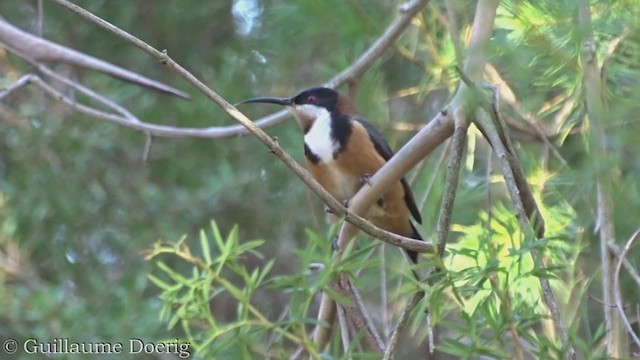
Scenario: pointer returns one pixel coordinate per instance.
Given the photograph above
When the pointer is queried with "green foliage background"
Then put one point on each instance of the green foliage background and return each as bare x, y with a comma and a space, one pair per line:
78, 207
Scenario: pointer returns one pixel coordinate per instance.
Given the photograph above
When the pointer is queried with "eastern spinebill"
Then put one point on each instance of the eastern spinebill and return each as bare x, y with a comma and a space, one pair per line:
342, 150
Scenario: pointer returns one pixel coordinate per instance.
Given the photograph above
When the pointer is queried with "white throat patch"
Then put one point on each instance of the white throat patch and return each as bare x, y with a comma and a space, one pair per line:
318, 138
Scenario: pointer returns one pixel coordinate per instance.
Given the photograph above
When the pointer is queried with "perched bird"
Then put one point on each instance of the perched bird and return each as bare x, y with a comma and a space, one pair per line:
342, 150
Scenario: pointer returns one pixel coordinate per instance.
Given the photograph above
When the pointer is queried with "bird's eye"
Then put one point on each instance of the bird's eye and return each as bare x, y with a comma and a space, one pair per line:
312, 100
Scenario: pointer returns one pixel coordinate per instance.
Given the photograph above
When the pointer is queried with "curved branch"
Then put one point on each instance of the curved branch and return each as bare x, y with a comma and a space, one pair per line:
616, 287
36, 49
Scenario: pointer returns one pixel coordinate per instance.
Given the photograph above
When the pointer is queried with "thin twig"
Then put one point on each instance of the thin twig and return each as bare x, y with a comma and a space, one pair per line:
383, 294
273, 336
18, 84
404, 317
297, 353
617, 292
615, 249
344, 328
367, 317
87, 92
448, 199
146, 152
360, 325
489, 192
451, 183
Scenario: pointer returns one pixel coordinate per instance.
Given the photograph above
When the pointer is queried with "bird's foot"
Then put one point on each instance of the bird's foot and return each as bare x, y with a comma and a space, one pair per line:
366, 179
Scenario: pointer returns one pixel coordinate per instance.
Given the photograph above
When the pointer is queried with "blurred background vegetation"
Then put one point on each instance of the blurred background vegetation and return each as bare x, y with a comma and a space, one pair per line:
78, 206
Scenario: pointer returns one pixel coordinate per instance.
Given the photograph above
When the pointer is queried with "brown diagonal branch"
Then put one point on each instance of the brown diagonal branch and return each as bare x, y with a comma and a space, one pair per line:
450, 186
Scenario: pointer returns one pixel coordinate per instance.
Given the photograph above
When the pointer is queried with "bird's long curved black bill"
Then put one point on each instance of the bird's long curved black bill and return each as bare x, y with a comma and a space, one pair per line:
269, 100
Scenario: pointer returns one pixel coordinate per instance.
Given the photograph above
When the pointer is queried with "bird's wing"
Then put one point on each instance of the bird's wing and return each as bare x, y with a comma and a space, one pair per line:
385, 151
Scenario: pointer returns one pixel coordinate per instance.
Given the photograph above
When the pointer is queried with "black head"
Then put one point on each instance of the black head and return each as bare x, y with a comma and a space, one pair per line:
318, 96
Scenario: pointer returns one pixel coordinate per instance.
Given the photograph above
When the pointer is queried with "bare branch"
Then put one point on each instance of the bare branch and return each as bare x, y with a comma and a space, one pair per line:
404, 317
384, 295
615, 249
616, 286
344, 328
407, 12
20, 83
88, 92
367, 317
37, 49
346, 288
451, 184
